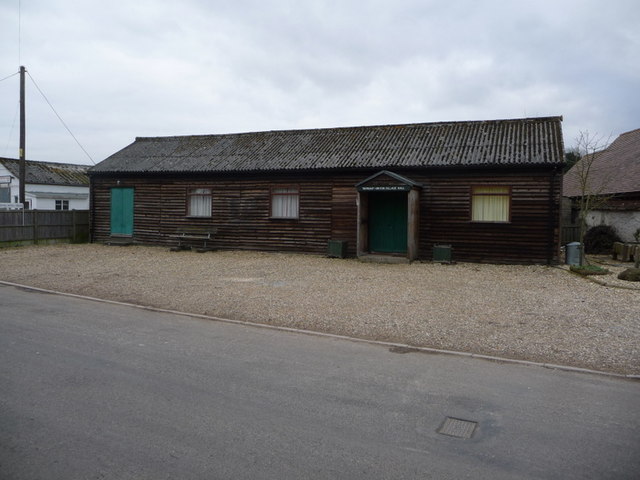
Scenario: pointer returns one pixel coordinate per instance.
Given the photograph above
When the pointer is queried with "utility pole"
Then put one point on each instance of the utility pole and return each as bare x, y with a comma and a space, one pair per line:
23, 176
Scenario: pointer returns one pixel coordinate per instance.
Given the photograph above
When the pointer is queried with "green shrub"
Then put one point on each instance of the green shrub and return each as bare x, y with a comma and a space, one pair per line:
589, 270
599, 240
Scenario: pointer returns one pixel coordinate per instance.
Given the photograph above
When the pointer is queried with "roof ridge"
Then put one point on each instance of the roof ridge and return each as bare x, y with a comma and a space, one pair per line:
352, 128
629, 132
524, 141
45, 163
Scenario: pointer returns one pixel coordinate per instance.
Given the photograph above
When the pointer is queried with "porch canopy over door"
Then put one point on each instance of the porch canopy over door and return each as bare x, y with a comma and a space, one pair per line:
388, 214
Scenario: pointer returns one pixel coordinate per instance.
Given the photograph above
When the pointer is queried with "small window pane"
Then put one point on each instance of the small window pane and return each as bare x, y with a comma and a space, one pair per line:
62, 204
284, 202
200, 202
490, 204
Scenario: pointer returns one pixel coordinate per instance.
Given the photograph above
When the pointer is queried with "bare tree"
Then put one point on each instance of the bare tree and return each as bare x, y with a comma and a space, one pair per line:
591, 178
571, 157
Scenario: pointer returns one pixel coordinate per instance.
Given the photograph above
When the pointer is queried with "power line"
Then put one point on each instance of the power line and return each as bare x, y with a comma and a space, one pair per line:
13, 124
60, 118
19, 32
7, 78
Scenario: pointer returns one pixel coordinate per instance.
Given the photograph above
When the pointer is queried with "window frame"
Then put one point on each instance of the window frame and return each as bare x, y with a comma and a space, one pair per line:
273, 194
64, 205
6, 191
190, 193
473, 195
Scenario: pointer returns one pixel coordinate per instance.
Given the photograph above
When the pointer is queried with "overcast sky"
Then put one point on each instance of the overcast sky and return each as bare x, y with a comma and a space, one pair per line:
117, 69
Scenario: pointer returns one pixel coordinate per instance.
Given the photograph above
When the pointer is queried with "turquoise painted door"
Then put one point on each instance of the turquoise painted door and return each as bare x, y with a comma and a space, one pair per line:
388, 222
122, 211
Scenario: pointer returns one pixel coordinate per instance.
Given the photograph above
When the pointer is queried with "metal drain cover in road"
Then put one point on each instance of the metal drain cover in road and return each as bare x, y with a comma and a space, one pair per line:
456, 427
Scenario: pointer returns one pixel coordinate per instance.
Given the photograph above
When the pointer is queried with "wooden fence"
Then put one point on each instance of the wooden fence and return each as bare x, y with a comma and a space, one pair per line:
24, 227
570, 233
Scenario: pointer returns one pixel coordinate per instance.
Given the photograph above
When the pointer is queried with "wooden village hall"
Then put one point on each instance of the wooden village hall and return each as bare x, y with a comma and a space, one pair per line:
488, 189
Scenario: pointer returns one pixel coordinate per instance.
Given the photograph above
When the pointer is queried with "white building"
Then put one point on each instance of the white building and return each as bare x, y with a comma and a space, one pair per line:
49, 186
615, 176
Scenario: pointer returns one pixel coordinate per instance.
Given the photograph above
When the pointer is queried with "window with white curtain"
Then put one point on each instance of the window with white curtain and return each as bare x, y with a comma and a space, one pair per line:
199, 202
285, 202
490, 204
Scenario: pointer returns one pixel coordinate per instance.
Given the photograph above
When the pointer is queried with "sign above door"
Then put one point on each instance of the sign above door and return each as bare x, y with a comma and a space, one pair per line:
385, 181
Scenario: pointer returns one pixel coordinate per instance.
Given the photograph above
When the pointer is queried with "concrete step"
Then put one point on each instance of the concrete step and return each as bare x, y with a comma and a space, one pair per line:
119, 241
378, 258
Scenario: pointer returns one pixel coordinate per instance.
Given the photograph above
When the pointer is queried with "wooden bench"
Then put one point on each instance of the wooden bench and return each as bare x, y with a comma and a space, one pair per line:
189, 234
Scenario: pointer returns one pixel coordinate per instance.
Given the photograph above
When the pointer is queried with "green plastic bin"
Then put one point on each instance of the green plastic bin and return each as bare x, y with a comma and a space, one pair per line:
442, 253
337, 248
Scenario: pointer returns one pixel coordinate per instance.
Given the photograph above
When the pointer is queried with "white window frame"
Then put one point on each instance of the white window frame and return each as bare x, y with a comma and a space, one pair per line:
6, 189
285, 202
199, 200
491, 204
62, 205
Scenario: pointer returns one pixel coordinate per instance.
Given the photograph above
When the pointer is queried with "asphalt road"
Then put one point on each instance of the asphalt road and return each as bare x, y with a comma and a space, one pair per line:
90, 390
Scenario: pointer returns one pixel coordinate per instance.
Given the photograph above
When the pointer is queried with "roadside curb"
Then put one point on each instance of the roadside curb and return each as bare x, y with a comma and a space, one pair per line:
407, 348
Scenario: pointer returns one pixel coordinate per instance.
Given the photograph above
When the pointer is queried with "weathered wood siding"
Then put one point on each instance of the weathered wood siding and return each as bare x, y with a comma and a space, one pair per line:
25, 227
532, 235
241, 212
344, 212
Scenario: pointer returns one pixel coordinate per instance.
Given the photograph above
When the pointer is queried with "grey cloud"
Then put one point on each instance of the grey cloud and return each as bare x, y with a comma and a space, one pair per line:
123, 69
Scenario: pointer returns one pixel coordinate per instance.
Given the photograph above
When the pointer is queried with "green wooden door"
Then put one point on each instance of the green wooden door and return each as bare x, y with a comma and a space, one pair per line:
388, 222
122, 211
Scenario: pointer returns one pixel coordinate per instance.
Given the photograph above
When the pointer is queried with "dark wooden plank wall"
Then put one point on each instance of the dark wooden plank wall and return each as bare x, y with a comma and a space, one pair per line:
240, 212
344, 212
446, 218
328, 211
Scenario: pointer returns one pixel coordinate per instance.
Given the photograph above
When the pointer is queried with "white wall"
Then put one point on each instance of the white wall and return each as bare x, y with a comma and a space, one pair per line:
43, 197
5, 173
625, 223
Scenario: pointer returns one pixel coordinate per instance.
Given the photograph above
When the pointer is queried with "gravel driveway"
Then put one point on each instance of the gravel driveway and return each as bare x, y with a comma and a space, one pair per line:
537, 313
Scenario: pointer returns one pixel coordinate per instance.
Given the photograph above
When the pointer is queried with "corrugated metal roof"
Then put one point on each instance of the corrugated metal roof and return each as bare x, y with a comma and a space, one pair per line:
528, 141
49, 173
614, 170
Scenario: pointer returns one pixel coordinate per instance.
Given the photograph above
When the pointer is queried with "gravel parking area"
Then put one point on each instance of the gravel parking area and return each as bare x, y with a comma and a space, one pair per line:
538, 313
